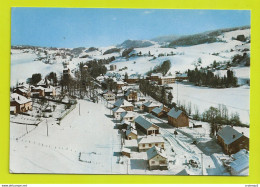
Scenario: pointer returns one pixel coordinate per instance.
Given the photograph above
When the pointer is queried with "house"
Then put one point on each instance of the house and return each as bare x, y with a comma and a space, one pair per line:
109, 96
157, 159
149, 106
155, 77
24, 86
177, 118
140, 105
147, 142
131, 134
121, 103
127, 116
21, 103
44, 83
160, 111
132, 79
240, 163
38, 91
126, 125
119, 85
126, 152
66, 71
112, 67
117, 112
23, 92
231, 140
131, 95
50, 91
145, 126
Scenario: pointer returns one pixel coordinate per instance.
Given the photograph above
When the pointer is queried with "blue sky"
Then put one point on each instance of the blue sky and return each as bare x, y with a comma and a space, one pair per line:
75, 27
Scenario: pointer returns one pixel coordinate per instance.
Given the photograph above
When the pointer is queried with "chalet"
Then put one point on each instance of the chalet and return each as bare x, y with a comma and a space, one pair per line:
119, 85
50, 91
126, 152
140, 105
147, 142
117, 112
21, 103
149, 106
231, 140
131, 95
37, 91
109, 96
177, 118
112, 67
44, 83
126, 125
131, 134
132, 79
157, 159
121, 103
145, 126
127, 116
24, 86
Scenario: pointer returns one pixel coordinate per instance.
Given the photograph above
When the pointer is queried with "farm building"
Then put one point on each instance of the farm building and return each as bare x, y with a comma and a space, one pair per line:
147, 142
21, 103
160, 111
157, 158
145, 126
231, 140
177, 118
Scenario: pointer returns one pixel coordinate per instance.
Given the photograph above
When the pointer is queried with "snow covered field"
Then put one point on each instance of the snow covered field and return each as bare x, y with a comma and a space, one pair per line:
235, 99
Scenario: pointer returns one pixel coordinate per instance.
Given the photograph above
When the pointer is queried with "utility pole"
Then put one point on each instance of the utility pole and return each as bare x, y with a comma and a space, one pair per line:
47, 128
79, 108
202, 162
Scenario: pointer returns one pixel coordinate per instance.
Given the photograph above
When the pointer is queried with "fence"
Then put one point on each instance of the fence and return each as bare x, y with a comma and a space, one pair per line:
63, 115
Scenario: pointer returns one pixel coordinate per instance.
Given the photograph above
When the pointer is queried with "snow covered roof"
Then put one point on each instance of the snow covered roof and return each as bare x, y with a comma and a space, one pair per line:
38, 88
130, 131
239, 153
119, 82
21, 90
19, 98
240, 164
229, 134
125, 122
143, 122
154, 151
157, 110
117, 109
44, 81
183, 172
109, 93
150, 104
129, 91
151, 139
126, 150
127, 114
174, 113
122, 103
49, 89
156, 75
182, 75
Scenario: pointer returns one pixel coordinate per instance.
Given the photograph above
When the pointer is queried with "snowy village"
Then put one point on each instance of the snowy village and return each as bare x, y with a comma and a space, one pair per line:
146, 107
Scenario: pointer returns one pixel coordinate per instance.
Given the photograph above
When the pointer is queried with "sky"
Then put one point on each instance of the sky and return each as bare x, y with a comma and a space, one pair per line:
86, 27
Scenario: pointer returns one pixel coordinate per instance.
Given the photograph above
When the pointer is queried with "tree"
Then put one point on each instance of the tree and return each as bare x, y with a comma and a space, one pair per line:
36, 78
170, 97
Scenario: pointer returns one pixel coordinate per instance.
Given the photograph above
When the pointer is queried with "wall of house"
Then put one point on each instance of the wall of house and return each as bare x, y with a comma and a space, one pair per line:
128, 108
117, 115
181, 121
132, 135
145, 146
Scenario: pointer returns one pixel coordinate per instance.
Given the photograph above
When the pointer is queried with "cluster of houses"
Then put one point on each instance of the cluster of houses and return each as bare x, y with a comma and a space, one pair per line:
20, 99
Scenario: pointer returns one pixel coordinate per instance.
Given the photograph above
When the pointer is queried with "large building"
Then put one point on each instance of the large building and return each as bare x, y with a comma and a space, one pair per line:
157, 158
231, 140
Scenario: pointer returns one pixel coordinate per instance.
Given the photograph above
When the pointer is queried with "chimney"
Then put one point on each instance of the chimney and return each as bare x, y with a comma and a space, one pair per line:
234, 136
18, 98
